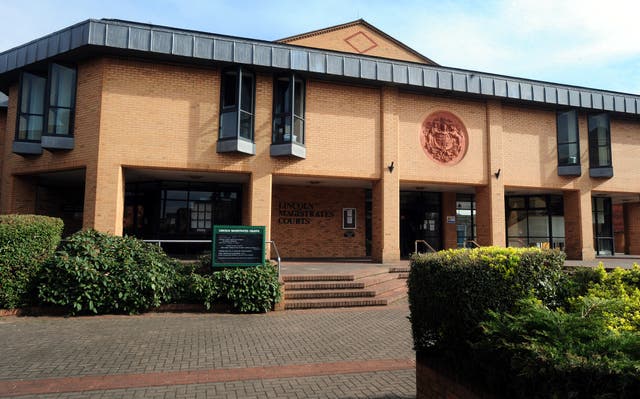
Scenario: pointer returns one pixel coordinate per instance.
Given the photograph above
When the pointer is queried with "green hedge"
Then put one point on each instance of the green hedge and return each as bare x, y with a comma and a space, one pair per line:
26, 242
451, 291
100, 273
508, 321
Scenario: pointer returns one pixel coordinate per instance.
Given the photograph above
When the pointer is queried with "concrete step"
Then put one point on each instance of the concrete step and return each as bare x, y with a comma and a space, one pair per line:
377, 279
403, 276
333, 303
317, 277
324, 285
394, 295
325, 294
403, 269
387, 286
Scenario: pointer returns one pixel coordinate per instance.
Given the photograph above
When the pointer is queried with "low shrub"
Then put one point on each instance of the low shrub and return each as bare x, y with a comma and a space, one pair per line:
451, 291
26, 242
248, 290
99, 273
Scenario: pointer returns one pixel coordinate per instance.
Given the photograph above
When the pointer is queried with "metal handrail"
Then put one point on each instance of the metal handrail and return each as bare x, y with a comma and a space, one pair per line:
425, 243
471, 242
277, 254
177, 241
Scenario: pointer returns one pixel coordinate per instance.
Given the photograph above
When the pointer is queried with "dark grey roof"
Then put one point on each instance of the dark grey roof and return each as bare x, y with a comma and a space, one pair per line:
4, 101
151, 40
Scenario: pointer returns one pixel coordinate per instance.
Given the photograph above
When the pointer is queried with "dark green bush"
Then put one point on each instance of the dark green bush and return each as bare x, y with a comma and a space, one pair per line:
451, 291
26, 242
252, 289
99, 273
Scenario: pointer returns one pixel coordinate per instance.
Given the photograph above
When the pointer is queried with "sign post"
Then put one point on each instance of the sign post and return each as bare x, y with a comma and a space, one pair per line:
238, 246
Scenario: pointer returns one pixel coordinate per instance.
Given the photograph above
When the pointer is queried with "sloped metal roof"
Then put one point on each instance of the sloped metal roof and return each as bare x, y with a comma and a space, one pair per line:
152, 40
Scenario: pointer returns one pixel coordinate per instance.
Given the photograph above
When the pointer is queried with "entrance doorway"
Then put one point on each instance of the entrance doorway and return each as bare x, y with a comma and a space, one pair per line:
603, 226
420, 219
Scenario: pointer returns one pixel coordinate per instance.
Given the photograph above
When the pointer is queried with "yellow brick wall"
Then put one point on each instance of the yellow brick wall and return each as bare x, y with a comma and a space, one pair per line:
530, 157
413, 163
335, 40
3, 126
307, 222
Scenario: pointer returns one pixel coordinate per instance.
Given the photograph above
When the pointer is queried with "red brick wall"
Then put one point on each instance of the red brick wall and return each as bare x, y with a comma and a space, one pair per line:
307, 222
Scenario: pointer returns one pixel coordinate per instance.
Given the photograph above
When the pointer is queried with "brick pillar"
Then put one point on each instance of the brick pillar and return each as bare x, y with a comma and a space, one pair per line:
632, 228
104, 198
449, 233
385, 245
19, 195
260, 196
490, 218
578, 227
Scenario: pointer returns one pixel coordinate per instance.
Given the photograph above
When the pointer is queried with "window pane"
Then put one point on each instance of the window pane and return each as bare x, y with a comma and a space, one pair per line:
557, 225
515, 202
556, 205
22, 129
517, 224
246, 125
34, 131
62, 86
298, 130
283, 96
246, 104
568, 154
58, 122
539, 224
602, 137
281, 128
176, 194
603, 156
299, 98
228, 124
537, 202
36, 96
229, 89
567, 127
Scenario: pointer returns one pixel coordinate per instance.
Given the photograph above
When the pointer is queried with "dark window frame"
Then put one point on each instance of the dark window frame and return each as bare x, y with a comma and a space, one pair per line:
46, 103
237, 106
594, 147
20, 114
553, 237
49, 106
607, 215
568, 168
290, 115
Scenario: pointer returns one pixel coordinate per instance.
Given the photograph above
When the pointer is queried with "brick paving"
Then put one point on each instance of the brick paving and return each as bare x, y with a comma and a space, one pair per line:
304, 352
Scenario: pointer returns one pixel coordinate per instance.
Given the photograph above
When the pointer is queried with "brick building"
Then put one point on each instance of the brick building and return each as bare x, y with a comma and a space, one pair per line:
344, 142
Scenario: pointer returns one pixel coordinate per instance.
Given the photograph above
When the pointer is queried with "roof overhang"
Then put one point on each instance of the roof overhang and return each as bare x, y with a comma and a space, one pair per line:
95, 37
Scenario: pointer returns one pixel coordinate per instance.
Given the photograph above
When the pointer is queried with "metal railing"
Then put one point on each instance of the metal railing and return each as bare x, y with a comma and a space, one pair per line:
473, 243
429, 247
275, 247
160, 242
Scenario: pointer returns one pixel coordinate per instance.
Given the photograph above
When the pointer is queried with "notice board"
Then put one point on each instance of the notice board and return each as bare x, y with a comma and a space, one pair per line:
238, 246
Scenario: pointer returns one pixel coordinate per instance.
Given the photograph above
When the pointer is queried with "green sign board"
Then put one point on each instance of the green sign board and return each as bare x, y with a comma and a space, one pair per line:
238, 246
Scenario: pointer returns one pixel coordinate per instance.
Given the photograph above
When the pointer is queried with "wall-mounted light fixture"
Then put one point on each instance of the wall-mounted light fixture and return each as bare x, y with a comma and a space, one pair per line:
391, 167
497, 174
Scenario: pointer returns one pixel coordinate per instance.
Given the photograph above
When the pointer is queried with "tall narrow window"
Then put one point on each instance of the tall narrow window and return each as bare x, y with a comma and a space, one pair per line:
62, 93
600, 146
288, 116
603, 226
31, 112
237, 111
568, 144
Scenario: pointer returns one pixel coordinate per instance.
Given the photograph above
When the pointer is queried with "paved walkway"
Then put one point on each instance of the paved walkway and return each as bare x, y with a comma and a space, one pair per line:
345, 353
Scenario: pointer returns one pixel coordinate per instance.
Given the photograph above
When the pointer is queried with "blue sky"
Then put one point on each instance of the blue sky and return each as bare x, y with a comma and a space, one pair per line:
584, 43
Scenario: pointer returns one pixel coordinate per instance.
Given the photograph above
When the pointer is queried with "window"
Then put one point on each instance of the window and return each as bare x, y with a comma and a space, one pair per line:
568, 143
46, 110
288, 116
535, 220
603, 226
31, 113
62, 83
600, 146
237, 103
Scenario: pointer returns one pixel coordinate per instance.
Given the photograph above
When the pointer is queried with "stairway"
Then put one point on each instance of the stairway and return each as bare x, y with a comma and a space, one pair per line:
367, 288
